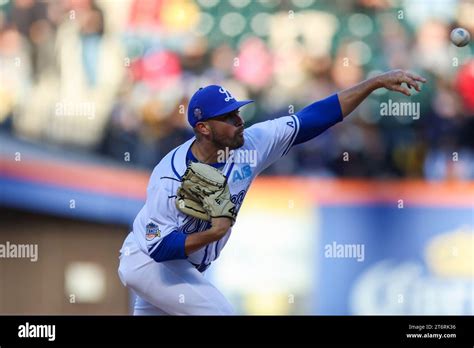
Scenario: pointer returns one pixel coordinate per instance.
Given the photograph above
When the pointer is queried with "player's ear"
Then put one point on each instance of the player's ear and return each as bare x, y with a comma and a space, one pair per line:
203, 128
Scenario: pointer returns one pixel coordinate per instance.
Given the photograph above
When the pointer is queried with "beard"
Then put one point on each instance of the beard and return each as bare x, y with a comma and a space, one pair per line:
223, 142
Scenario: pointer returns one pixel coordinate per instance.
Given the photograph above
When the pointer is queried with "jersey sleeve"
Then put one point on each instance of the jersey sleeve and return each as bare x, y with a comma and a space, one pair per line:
272, 139
159, 216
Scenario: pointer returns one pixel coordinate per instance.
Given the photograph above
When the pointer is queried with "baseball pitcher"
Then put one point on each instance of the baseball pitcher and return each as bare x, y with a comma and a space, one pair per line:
195, 193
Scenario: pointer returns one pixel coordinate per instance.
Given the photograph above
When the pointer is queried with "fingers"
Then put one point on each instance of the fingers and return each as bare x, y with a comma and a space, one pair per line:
412, 80
415, 77
403, 77
401, 89
412, 83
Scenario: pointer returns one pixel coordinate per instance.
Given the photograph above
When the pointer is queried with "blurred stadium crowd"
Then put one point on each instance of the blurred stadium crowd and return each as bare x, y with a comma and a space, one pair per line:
113, 77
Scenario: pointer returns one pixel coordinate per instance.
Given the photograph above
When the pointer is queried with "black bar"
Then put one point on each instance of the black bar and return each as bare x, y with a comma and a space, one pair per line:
287, 330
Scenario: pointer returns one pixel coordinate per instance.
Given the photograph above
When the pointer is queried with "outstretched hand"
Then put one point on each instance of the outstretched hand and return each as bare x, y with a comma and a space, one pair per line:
394, 80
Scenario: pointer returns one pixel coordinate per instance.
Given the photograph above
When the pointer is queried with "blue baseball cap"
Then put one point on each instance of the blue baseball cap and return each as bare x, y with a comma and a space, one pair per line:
212, 101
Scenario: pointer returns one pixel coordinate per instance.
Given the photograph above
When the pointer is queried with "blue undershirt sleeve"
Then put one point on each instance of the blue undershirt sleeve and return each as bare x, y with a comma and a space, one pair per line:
170, 248
317, 117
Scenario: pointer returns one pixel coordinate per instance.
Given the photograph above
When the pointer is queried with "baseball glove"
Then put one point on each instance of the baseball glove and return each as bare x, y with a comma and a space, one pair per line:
204, 193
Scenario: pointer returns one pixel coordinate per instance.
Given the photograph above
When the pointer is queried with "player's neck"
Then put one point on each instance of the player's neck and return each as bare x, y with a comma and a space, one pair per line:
205, 151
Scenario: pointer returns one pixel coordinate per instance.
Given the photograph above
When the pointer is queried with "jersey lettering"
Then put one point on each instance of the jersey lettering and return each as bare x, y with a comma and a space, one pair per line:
244, 173
193, 225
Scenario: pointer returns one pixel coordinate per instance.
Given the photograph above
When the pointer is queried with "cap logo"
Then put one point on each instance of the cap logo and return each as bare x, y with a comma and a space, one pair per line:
228, 96
197, 113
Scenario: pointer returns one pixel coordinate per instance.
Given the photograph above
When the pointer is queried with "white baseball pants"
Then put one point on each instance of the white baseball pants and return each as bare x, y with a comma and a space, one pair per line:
173, 287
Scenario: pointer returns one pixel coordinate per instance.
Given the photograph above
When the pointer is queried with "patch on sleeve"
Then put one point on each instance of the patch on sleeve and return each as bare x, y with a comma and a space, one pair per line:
152, 231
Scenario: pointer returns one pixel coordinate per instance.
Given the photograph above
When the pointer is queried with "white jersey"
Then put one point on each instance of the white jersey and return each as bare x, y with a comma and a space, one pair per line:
265, 143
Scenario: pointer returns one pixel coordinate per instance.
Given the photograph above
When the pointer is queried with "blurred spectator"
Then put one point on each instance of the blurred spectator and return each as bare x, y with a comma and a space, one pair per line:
115, 78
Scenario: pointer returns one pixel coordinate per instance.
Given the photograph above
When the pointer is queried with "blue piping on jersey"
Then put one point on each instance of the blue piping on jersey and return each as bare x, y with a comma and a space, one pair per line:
151, 247
203, 262
293, 136
201, 268
215, 251
230, 169
172, 164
